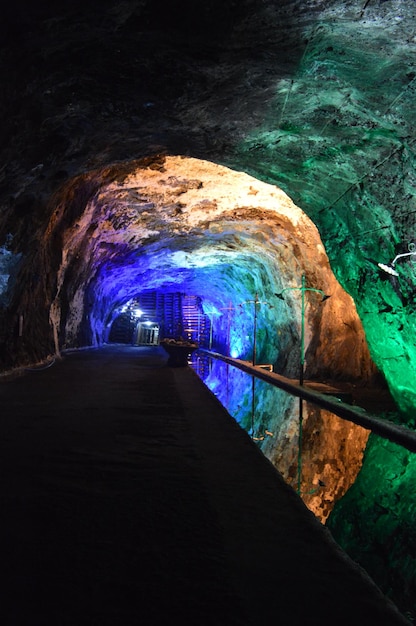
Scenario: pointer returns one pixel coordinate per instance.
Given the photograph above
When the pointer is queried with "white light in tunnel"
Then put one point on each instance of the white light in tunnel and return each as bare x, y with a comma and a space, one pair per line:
389, 267
130, 307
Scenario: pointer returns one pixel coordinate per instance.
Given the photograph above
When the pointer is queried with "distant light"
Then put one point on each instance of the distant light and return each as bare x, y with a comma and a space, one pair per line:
136, 312
234, 353
388, 269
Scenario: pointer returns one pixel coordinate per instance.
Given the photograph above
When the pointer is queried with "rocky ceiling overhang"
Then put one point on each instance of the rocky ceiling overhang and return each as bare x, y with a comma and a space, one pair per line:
315, 97
186, 225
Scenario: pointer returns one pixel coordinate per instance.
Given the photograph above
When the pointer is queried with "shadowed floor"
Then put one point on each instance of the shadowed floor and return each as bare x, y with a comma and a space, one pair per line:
129, 496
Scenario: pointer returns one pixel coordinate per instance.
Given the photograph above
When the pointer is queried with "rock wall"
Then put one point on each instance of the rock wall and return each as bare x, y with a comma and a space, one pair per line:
315, 97
375, 522
185, 224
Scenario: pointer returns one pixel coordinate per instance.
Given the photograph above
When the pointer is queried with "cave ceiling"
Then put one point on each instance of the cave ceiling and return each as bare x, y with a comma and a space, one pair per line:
315, 97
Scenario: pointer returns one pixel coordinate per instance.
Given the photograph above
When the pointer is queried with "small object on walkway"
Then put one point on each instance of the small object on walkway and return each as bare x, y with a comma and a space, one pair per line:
179, 351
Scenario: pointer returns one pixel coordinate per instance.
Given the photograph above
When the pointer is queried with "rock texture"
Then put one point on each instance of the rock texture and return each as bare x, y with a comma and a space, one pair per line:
322, 108
187, 225
313, 97
182, 224
375, 521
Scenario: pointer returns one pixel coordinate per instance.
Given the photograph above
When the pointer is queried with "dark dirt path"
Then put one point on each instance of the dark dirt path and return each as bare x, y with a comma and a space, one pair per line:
129, 496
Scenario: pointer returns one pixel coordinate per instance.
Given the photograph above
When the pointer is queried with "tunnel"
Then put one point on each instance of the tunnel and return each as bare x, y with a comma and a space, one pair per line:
176, 171
216, 257
176, 225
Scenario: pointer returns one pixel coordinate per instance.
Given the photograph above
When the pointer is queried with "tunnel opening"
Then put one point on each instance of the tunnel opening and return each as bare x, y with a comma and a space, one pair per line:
335, 130
202, 252
147, 334
170, 225
154, 315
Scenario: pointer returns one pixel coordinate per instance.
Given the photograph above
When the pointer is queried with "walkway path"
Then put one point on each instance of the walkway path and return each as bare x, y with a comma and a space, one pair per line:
129, 496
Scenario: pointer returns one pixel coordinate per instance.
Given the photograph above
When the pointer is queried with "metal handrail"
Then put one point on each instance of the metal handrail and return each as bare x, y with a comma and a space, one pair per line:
388, 430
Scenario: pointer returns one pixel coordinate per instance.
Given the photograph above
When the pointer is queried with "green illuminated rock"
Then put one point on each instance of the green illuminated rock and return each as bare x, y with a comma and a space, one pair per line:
375, 520
338, 136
